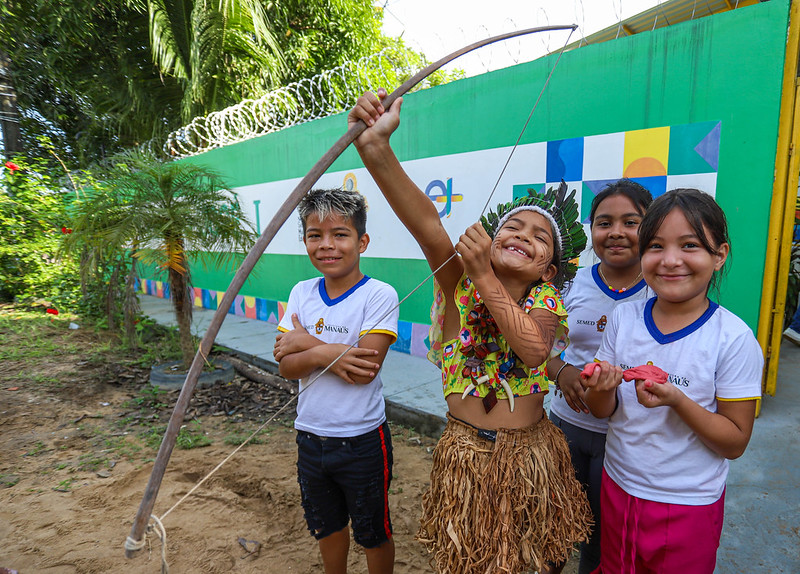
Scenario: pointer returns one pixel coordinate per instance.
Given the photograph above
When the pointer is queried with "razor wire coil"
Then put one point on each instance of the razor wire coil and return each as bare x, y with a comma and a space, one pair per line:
330, 92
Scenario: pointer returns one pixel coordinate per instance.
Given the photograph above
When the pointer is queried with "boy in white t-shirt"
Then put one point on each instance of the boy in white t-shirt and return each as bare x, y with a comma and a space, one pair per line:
344, 464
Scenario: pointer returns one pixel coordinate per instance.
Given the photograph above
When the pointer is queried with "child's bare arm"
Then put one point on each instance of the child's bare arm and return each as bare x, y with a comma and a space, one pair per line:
294, 341
570, 383
530, 335
299, 354
726, 432
601, 389
414, 209
356, 366
380, 343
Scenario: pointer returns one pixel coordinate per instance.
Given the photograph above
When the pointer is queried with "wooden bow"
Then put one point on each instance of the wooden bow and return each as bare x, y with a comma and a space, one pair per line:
283, 213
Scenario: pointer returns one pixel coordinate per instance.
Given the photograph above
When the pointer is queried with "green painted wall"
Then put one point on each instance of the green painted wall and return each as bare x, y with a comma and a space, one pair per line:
724, 68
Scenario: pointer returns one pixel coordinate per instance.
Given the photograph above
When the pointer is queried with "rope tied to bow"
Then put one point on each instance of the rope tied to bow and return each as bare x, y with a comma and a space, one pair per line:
157, 527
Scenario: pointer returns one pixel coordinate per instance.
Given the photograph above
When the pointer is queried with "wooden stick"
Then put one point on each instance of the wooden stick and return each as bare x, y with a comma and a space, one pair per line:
283, 213
259, 376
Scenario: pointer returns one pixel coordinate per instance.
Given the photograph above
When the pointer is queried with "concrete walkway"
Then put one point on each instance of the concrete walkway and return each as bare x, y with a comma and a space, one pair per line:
762, 502
762, 506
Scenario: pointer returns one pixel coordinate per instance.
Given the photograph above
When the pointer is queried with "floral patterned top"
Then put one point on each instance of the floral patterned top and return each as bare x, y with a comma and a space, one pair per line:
480, 355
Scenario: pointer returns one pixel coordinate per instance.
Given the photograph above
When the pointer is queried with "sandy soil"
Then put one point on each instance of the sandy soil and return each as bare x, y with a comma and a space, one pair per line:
74, 462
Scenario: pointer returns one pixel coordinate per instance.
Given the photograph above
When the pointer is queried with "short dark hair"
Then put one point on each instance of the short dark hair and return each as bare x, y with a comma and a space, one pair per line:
704, 215
637, 193
349, 204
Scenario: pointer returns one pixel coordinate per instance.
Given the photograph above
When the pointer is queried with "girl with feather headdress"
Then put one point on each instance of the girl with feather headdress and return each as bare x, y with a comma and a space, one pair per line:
503, 494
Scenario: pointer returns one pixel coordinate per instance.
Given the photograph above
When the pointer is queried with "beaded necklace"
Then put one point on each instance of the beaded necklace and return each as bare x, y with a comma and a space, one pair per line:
603, 277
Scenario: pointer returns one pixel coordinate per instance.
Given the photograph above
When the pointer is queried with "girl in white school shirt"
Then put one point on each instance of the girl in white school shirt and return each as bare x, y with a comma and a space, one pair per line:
668, 444
590, 299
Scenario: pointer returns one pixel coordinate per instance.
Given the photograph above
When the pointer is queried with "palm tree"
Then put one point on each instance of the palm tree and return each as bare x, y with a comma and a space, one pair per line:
217, 50
160, 210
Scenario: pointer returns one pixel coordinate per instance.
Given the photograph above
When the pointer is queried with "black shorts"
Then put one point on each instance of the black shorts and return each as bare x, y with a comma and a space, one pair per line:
344, 479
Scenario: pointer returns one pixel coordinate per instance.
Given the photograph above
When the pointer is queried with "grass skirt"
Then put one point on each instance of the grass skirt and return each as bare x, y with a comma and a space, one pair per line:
503, 506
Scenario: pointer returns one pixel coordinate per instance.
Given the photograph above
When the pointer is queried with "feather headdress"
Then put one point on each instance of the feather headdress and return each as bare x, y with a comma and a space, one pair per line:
561, 210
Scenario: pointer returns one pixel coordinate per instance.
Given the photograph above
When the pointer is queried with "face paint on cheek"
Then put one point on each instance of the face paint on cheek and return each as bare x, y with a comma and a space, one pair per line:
545, 257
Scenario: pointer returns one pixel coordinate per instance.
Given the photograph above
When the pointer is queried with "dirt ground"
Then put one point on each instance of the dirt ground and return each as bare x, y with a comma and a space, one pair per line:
79, 428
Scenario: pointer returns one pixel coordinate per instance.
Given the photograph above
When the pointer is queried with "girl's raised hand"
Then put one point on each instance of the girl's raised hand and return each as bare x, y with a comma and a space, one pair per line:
474, 247
370, 110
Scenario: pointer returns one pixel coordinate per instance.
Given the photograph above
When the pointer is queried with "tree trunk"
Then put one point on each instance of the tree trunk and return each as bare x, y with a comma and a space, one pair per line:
130, 305
182, 303
111, 297
9, 112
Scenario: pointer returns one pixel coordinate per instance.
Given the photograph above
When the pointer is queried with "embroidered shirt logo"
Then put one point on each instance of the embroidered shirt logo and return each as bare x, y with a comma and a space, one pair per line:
320, 326
601, 323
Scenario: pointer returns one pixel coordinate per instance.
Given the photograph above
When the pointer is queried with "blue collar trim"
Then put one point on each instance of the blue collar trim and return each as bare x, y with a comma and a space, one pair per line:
323, 292
615, 295
681, 333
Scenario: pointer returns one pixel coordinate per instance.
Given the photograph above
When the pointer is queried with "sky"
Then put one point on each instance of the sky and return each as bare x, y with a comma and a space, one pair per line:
438, 27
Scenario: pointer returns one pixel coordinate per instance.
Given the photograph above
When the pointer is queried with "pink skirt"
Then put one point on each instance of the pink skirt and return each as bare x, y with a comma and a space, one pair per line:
642, 536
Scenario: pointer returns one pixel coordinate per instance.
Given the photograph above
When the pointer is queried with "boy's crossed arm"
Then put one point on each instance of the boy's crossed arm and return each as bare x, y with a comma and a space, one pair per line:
299, 354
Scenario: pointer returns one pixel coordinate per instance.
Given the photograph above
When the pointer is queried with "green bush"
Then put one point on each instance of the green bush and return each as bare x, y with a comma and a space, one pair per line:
34, 222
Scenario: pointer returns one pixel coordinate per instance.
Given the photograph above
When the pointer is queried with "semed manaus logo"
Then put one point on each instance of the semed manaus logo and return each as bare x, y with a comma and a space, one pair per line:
320, 326
600, 324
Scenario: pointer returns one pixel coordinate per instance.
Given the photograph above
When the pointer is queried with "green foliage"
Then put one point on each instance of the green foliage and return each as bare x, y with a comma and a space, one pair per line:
154, 210
91, 461
122, 447
84, 73
237, 439
65, 485
192, 436
8, 480
189, 436
38, 448
32, 217
159, 344
216, 50
153, 436
159, 207
407, 62
150, 397
315, 36
100, 76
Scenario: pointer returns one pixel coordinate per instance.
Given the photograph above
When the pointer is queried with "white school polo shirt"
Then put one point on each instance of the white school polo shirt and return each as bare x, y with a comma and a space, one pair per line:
329, 406
589, 304
651, 453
